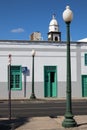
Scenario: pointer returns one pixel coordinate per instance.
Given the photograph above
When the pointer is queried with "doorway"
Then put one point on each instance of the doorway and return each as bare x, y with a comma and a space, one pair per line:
50, 81
84, 85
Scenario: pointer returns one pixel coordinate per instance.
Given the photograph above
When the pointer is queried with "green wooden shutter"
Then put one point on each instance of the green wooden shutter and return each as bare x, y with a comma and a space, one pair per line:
84, 85
86, 59
16, 78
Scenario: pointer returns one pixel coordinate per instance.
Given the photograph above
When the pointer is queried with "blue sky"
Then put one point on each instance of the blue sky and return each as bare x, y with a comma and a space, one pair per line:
19, 18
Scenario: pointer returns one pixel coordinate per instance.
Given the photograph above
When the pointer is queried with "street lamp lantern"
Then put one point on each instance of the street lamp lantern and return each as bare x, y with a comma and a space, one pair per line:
9, 56
33, 94
69, 120
67, 15
33, 52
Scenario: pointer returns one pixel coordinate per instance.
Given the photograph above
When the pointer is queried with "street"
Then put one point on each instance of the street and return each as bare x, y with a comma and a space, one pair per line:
33, 108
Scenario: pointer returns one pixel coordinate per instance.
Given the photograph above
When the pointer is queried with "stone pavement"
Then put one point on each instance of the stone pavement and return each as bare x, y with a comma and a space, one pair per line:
48, 123
42, 123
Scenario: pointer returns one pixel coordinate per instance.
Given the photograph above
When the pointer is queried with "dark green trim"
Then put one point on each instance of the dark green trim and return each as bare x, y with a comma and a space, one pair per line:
84, 93
50, 87
85, 59
16, 72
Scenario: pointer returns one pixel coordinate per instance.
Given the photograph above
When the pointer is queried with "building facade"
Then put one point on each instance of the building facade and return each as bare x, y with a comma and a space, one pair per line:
49, 69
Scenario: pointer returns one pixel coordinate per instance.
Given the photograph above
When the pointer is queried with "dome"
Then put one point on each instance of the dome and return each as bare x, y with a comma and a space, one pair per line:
53, 21
53, 26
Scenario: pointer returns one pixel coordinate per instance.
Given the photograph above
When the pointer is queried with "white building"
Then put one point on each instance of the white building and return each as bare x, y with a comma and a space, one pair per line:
49, 68
36, 36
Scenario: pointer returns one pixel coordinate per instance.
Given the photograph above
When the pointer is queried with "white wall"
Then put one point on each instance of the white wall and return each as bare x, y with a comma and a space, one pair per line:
45, 55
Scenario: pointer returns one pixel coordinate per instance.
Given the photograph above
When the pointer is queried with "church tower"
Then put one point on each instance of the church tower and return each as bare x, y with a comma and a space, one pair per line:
54, 34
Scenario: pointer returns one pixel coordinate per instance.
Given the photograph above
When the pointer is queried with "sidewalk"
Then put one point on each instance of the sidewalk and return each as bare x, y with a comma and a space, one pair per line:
48, 123
42, 123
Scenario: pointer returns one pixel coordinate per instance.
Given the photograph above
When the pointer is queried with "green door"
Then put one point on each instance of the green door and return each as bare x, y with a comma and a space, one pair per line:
48, 92
53, 83
84, 85
50, 81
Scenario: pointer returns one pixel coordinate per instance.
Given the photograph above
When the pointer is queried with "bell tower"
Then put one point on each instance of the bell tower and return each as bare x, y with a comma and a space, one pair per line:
54, 34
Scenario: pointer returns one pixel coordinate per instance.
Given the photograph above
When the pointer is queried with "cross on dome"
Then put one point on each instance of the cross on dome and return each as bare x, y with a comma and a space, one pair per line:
54, 15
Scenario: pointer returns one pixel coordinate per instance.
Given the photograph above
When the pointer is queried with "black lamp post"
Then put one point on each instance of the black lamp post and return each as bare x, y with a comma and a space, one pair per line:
68, 121
32, 94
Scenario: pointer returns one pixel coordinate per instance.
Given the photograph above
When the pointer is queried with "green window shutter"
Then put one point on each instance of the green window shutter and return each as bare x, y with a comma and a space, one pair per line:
85, 59
16, 78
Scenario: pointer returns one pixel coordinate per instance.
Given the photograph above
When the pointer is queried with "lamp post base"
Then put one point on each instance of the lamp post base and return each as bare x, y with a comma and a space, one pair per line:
32, 96
69, 122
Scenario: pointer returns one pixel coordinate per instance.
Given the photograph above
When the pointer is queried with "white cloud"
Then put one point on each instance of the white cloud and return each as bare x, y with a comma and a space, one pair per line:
17, 30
